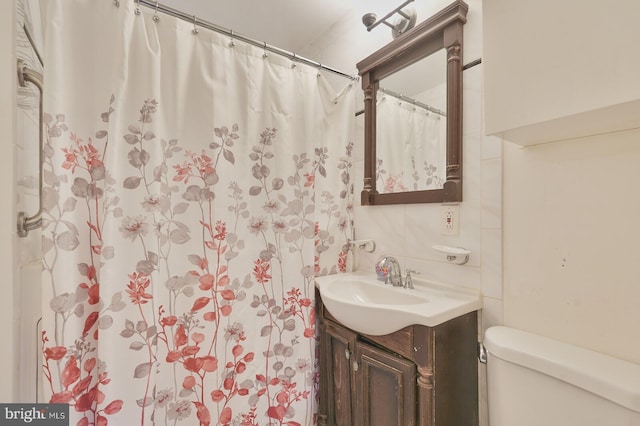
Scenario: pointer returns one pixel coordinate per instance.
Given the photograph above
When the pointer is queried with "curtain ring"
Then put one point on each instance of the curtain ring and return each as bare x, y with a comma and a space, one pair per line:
293, 61
195, 25
116, 3
319, 69
232, 42
265, 54
156, 18
137, 9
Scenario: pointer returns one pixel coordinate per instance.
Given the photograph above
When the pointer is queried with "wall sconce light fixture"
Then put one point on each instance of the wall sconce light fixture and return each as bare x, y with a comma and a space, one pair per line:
402, 24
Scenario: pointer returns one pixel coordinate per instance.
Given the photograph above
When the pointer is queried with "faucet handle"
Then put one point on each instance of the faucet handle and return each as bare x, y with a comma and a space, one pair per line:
408, 282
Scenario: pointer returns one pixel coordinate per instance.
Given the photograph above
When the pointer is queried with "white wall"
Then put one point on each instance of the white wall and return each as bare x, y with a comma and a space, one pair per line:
552, 64
19, 257
8, 300
571, 241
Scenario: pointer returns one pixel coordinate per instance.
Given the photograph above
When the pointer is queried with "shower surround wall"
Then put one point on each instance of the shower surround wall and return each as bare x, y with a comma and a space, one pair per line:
20, 258
8, 244
27, 175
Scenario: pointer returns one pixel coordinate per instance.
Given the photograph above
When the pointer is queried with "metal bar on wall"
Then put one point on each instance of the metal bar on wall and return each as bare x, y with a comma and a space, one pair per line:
29, 223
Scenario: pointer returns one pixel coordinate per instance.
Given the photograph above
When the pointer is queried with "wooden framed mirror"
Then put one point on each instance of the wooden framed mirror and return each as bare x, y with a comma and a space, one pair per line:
434, 43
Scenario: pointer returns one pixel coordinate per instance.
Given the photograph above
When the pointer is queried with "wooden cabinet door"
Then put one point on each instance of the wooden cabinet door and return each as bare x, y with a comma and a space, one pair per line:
385, 388
338, 346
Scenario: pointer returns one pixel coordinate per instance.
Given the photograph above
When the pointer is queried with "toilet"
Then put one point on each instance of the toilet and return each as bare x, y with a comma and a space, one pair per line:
534, 381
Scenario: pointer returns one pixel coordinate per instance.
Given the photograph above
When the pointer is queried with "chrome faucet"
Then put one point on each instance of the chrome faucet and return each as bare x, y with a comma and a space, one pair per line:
394, 273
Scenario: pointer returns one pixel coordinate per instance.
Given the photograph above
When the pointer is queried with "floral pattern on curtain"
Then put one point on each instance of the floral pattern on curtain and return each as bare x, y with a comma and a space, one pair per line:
193, 190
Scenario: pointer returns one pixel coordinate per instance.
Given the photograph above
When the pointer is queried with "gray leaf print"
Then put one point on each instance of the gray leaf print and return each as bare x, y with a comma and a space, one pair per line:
67, 241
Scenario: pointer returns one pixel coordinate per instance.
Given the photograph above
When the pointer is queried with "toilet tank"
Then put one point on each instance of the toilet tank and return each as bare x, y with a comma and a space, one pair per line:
533, 381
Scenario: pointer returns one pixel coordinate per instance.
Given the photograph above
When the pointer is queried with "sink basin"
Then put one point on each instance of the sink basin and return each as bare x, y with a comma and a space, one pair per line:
364, 304
362, 292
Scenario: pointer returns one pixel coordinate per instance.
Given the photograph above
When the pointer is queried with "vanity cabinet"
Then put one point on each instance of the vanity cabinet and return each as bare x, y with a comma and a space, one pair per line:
383, 384
422, 376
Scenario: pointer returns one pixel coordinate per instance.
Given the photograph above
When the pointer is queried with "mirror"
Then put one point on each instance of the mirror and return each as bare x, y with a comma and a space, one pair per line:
413, 114
411, 127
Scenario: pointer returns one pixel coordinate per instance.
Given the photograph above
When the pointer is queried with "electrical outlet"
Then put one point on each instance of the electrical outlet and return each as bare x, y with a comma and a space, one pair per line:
450, 220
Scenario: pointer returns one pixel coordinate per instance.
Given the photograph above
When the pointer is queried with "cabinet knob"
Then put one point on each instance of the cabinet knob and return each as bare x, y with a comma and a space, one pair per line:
347, 354
355, 365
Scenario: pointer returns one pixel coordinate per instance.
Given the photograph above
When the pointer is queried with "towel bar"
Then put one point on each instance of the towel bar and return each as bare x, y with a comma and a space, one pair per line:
29, 223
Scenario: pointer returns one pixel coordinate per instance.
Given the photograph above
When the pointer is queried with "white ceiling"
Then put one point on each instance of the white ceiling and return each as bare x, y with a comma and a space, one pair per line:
288, 24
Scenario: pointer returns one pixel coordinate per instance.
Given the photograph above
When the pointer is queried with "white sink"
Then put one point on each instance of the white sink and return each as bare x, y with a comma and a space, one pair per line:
364, 304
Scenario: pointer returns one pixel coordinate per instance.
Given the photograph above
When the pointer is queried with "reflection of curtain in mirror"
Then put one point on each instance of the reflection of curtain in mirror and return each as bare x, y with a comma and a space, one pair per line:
411, 147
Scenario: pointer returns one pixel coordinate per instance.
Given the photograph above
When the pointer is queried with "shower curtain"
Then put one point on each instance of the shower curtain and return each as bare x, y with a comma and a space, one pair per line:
411, 147
194, 186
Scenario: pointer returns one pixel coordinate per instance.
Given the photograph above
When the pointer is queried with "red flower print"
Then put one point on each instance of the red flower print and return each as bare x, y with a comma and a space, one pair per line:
202, 412
71, 372
94, 294
309, 180
261, 271
221, 231
342, 261
114, 407
87, 152
55, 353
183, 172
61, 397
306, 302
137, 288
202, 163
89, 322
70, 158
169, 321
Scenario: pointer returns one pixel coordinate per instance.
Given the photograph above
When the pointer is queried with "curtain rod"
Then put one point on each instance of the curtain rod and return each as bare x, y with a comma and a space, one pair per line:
413, 101
158, 7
